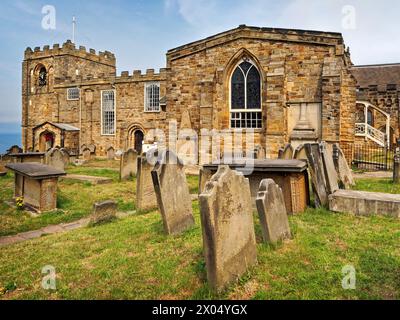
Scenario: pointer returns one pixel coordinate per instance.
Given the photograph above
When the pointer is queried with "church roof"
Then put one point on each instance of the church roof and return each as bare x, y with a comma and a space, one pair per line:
266, 33
379, 75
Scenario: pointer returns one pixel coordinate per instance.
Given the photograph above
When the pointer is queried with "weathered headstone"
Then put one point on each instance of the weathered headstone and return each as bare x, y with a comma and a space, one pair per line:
317, 172
272, 212
396, 169
173, 194
87, 155
228, 227
345, 174
128, 164
92, 148
110, 153
300, 153
54, 158
145, 195
65, 156
14, 150
329, 167
103, 212
286, 153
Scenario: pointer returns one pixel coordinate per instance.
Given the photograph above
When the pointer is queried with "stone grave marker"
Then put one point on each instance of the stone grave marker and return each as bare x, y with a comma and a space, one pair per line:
128, 165
65, 156
86, 154
103, 212
227, 227
145, 195
272, 212
317, 173
329, 167
300, 153
173, 196
110, 153
345, 174
54, 158
286, 153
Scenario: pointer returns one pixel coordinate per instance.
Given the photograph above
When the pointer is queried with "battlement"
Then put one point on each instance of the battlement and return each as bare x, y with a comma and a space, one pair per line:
125, 76
137, 75
69, 48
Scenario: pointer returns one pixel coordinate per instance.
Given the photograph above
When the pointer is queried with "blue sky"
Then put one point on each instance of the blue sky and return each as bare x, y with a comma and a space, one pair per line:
140, 32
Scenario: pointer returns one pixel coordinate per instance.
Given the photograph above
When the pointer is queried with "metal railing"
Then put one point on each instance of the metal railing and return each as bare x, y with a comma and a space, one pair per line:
365, 130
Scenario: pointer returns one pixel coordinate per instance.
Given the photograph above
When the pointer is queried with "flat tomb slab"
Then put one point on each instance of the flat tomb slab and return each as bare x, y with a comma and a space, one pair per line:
90, 179
263, 165
365, 203
35, 171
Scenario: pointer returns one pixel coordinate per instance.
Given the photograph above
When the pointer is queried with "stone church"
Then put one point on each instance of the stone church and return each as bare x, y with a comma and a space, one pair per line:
287, 85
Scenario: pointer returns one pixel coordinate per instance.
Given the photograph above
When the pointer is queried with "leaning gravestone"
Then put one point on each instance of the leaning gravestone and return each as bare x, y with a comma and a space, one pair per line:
228, 227
128, 165
346, 179
317, 173
87, 155
145, 195
54, 158
272, 212
330, 170
103, 212
110, 153
173, 194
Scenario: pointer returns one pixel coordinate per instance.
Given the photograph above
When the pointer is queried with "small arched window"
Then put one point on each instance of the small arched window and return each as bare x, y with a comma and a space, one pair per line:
245, 100
42, 77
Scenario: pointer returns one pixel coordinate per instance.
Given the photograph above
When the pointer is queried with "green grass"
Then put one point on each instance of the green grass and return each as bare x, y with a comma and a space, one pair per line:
133, 259
377, 185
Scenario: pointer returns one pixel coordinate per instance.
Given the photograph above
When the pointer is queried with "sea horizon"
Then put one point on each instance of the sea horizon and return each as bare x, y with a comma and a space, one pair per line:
7, 140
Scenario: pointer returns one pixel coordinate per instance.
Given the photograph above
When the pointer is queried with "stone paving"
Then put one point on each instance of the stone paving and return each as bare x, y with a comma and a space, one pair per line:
374, 175
90, 179
53, 229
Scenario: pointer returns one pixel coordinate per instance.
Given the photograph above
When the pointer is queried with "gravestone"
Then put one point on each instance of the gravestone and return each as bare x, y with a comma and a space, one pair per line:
272, 212
128, 165
317, 173
54, 158
286, 153
103, 212
227, 227
300, 153
110, 153
345, 174
65, 156
14, 150
86, 154
92, 148
145, 195
173, 194
329, 167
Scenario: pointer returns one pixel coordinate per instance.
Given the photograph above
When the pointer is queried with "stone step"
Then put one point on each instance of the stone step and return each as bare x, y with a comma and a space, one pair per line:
365, 203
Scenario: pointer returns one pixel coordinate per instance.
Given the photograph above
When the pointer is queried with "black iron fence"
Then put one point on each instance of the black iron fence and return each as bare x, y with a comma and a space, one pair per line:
369, 157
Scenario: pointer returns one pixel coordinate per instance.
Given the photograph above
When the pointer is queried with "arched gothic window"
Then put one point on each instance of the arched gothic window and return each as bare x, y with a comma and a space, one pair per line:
245, 97
42, 77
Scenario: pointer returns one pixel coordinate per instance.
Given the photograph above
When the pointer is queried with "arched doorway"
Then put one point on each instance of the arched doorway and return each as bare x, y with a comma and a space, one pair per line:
138, 141
46, 141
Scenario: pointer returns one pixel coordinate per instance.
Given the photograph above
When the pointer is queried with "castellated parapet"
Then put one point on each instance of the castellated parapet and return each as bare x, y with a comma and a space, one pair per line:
68, 48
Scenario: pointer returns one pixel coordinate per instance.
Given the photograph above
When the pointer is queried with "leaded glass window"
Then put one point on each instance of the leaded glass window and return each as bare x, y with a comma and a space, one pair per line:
152, 97
108, 112
246, 97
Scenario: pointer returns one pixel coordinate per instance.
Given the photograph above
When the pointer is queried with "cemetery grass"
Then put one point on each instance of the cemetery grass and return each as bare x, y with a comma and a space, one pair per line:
132, 259
75, 200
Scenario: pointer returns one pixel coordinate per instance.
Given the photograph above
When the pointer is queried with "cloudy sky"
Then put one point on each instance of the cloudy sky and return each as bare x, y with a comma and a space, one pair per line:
139, 32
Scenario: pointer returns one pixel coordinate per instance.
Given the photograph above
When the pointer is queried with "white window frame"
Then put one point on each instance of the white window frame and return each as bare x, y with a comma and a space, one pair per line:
102, 113
242, 111
69, 95
147, 99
